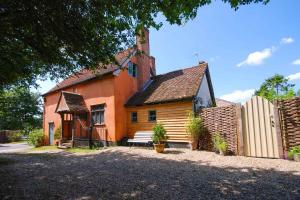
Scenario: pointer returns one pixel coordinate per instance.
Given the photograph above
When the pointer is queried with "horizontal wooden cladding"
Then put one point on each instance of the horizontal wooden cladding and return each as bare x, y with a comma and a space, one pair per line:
172, 115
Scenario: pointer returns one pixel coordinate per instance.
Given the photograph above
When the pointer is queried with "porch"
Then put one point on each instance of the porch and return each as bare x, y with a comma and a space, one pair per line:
77, 128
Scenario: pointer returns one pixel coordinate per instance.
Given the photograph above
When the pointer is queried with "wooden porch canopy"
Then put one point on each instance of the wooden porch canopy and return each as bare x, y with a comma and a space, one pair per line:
70, 103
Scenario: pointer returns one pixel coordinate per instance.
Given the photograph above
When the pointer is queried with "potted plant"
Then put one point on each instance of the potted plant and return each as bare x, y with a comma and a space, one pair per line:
220, 145
297, 156
294, 154
159, 137
57, 135
194, 129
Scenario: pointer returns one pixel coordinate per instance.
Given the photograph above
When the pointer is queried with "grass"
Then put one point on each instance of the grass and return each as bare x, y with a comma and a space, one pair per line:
81, 150
44, 148
70, 150
20, 141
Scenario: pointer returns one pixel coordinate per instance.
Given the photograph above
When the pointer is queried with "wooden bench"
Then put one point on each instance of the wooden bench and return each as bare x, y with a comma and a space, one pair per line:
141, 137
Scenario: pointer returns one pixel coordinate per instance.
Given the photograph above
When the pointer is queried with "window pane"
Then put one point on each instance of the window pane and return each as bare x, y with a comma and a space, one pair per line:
130, 68
101, 117
134, 117
98, 107
94, 117
98, 117
152, 115
134, 70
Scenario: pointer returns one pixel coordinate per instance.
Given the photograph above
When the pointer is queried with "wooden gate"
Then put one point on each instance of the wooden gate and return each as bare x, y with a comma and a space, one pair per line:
261, 133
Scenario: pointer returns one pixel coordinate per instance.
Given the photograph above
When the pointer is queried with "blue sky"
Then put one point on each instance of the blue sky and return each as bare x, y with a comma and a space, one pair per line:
242, 47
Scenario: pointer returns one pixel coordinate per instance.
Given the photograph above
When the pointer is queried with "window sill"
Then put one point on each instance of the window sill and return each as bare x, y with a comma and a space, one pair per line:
99, 124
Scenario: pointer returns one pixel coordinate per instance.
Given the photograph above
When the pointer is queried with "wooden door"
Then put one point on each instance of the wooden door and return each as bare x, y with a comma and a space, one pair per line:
260, 135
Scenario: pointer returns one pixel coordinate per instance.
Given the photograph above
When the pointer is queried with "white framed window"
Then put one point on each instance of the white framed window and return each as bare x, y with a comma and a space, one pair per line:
132, 69
134, 117
98, 114
152, 115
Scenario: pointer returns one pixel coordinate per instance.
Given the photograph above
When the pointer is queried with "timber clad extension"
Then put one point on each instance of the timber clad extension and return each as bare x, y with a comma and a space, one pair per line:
115, 101
172, 115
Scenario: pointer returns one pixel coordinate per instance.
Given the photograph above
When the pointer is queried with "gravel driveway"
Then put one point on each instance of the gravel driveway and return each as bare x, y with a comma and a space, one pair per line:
136, 173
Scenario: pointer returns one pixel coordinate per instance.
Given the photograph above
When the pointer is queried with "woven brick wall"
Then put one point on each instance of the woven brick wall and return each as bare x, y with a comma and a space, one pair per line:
290, 122
224, 120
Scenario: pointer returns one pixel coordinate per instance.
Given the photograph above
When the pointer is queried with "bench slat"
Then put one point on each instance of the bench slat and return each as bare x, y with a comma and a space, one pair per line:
141, 137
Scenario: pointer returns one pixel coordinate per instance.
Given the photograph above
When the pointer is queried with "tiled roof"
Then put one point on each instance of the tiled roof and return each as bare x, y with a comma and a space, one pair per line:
173, 86
85, 75
223, 103
73, 103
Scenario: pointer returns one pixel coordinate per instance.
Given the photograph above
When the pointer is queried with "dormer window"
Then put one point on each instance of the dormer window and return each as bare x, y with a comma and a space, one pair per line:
132, 69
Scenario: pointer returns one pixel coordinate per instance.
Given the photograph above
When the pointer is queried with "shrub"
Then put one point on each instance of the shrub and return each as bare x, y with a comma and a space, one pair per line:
194, 126
219, 142
36, 138
159, 134
57, 133
14, 137
292, 151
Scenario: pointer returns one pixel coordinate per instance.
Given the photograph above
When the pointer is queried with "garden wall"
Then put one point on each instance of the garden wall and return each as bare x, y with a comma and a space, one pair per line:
289, 112
226, 121
5, 135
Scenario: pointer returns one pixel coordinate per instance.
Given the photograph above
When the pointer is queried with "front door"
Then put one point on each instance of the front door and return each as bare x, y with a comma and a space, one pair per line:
51, 133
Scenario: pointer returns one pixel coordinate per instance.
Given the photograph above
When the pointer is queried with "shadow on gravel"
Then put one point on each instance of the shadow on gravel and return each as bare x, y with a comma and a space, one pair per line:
172, 152
118, 175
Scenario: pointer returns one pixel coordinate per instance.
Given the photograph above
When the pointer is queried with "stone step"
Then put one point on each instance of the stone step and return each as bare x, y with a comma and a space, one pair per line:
65, 145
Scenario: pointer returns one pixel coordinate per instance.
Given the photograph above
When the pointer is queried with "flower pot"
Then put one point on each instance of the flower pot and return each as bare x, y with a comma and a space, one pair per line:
194, 144
297, 157
159, 148
56, 142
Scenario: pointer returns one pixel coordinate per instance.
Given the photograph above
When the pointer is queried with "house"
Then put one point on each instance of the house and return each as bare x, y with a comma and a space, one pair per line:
114, 102
223, 103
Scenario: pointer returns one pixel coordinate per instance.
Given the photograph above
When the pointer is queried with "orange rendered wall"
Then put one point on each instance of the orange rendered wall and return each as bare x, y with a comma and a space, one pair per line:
94, 92
125, 87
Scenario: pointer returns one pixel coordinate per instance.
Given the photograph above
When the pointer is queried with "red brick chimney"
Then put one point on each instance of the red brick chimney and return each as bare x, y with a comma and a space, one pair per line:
142, 41
145, 62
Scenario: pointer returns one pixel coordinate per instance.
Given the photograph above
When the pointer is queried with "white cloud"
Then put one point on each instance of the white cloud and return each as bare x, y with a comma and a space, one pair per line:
296, 62
238, 95
287, 40
257, 57
293, 77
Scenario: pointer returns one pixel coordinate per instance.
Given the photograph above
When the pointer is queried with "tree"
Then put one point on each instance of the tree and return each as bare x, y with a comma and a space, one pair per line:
19, 109
298, 93
58, 37
276, 87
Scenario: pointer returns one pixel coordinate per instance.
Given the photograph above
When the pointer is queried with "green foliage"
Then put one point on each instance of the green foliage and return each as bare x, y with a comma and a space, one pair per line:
276, 87
298, 93
194, 126
15, 137
36, 138
39, 38
20, 110
219, 142
159, 134
57, 133
292, 151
